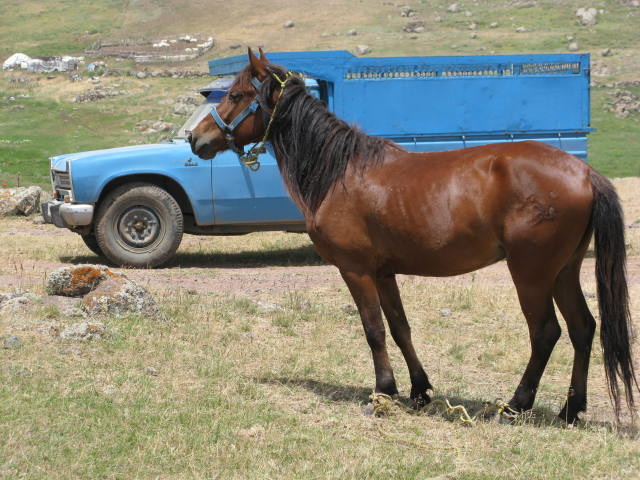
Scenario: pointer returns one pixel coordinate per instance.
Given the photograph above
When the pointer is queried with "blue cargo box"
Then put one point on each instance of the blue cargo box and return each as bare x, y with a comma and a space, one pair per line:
440, 103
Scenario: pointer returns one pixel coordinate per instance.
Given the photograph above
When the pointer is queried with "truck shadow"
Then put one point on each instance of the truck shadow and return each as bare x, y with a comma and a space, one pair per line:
285, 257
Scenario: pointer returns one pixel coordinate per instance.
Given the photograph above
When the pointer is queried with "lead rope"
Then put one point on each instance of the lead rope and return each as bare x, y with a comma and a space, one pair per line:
384, 405
250, 159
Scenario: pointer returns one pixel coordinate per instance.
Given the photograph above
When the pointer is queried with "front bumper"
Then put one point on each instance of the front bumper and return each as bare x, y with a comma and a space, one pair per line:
67, 215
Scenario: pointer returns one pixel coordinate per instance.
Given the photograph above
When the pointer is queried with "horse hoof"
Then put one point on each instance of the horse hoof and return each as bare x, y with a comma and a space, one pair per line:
569, 418
420, 401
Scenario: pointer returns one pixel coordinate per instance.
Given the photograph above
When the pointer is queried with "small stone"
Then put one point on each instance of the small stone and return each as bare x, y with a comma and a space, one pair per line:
325, 35
253, 432
267, 306
151, 370
349, 309
407, 12
521, 30
473, 26
468, 14
352, 32
587, 17
445, 312
12, 341
83, 331
362, 49
573, 46
141, 75
570, 38
453, 8
235, 46
289, 24
493, 25
438, 19
473, 35
606, 52
368, 410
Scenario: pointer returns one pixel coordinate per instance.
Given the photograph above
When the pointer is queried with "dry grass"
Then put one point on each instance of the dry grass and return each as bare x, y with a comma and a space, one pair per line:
246, 391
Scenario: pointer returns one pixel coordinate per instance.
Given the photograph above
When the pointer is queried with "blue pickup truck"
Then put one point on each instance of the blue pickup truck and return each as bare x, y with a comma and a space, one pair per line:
133, 204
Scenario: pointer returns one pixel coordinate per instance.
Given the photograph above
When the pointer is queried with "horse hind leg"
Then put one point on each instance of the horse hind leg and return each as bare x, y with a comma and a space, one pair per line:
581, 325
364, 292
401, 333
535, 295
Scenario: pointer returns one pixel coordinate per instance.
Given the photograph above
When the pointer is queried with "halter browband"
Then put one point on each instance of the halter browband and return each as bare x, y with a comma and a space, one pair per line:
250, 158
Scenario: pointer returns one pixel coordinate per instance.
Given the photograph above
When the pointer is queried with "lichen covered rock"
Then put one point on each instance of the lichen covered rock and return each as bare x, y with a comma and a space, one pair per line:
77, 280
119, 296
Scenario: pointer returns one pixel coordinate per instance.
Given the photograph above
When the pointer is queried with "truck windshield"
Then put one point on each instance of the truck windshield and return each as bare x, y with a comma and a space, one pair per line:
194, 119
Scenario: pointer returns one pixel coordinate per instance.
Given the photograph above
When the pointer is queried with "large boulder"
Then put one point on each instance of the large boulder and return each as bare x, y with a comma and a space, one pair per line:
20, 200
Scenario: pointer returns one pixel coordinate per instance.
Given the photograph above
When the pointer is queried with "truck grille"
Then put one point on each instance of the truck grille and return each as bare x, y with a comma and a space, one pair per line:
61, 180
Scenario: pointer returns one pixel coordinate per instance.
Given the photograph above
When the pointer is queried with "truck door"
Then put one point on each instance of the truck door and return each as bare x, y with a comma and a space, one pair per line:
243, 196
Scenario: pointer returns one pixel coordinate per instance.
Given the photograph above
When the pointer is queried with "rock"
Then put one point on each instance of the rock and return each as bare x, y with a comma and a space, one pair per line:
267, 307
606, 52
493, 25
521, 30
12, 341
573, 47
445, 312
352, 32
119, 296
362, 49
77, 280
473, 35
414, 27
587, 16
19, 200
473, 26
437, 18
407, 12
289, 24
349, 309
141, 75
151, 370
84, 331
16, 300
453, 8
235, 46
623, 103
254, 432
570, 38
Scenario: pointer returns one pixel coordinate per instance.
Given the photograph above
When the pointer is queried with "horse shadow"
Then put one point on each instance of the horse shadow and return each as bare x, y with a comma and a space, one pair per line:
539, 416
284, 257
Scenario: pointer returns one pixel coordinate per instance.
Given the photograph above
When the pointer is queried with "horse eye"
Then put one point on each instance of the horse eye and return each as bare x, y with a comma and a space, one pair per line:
235, 96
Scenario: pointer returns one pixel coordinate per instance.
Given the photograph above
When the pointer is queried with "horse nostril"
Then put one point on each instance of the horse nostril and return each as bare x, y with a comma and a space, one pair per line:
189, 137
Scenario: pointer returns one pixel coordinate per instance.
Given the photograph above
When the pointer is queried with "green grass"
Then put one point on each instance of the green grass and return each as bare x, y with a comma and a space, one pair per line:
614, 148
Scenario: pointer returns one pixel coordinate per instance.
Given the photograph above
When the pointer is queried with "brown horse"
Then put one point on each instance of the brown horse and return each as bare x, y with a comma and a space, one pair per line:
375, 210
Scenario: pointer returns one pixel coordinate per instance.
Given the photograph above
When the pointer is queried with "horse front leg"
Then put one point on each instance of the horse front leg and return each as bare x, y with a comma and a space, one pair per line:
364, 292
401, 333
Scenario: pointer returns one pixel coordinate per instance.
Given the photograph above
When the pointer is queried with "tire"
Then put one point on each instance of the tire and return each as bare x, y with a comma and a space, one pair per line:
139, 225
92, 243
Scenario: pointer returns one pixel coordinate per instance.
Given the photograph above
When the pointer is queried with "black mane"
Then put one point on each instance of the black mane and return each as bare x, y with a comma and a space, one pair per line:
313, 147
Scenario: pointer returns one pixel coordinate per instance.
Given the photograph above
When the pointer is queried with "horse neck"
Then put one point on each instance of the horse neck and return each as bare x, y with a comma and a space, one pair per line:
313, 148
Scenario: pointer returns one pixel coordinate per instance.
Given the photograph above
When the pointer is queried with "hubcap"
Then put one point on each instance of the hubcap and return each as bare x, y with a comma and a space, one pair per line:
139, 226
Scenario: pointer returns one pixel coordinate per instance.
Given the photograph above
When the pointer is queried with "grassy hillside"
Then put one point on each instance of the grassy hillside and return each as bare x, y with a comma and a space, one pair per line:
41, 120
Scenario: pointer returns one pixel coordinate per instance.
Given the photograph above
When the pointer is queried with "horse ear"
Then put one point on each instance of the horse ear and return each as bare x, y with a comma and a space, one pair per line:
257, 66
263, 57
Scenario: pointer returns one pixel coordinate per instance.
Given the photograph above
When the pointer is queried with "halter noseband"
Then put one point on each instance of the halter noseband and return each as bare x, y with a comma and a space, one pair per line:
250, 158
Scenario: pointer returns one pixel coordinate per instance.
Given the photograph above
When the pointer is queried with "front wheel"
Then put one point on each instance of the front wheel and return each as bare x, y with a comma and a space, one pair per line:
139, 225
92, 243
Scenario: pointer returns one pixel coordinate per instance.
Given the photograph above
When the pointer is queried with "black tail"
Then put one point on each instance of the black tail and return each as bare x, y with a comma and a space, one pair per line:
613, 297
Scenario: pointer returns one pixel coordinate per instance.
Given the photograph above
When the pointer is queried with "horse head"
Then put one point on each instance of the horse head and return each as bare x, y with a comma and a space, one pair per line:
236, 121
